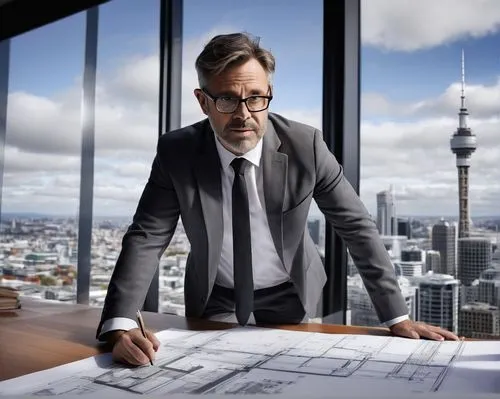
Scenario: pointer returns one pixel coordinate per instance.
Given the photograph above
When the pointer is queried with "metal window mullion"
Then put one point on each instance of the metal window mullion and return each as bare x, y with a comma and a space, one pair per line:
341, 92
85, 214
170, 92
4, 100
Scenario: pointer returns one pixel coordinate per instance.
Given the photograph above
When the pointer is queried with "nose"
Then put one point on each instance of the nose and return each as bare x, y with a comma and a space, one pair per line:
242, 112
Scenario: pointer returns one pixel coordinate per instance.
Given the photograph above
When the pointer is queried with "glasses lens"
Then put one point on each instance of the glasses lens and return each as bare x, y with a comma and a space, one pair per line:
257, 103
227, 104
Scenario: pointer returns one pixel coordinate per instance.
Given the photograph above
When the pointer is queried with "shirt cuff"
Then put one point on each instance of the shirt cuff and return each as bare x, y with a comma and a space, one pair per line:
117, 323
399, 319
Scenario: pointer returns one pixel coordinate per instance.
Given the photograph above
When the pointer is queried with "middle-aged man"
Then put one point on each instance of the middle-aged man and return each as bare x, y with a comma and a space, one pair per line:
242, 181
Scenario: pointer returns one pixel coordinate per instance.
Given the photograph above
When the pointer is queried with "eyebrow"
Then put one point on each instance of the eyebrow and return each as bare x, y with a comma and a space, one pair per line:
229, 93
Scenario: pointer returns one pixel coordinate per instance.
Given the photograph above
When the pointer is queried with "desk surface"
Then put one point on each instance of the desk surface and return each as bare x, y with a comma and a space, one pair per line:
45, 334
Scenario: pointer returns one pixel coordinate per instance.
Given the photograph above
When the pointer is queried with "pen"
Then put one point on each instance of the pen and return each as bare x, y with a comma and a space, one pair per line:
143, 329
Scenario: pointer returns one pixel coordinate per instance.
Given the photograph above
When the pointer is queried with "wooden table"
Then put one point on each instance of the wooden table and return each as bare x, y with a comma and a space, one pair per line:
45, 334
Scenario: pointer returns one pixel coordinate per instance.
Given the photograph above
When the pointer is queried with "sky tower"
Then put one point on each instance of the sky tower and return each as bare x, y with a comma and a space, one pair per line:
463, 144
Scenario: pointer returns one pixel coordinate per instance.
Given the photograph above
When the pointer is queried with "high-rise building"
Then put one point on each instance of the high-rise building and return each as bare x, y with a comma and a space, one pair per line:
443, 240
479, 320
394, 245
438, 301
489, 286
314, 227
386, 213
359, 302
463, 144
412, 254
404, 227
432, 261
469, 293
409, 268
474, 256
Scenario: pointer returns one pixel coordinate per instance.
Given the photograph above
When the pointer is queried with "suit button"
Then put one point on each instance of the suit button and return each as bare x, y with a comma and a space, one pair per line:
203, 298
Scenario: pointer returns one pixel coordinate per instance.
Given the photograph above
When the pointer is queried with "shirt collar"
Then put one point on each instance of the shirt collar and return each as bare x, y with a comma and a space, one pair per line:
226, 157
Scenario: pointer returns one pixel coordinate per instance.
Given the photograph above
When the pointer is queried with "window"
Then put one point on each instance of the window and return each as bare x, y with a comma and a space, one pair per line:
411, 100
40, 193
126, 128
42, 172
298, 78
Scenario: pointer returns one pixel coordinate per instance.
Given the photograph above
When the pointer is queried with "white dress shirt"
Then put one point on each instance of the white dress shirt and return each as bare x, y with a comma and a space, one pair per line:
268, 270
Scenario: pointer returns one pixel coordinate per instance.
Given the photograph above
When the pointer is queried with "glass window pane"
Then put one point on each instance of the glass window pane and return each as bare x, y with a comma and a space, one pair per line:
40, 196
297, 84
126, 129
426, 94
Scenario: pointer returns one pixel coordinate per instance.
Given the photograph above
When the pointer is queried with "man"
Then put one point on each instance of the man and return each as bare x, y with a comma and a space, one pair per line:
242, 181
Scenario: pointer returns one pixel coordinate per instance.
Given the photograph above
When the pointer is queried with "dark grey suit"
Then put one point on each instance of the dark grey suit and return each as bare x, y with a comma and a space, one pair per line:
297, 166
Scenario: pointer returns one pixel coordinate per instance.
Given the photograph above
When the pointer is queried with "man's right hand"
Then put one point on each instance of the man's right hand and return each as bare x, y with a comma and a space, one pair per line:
132, 348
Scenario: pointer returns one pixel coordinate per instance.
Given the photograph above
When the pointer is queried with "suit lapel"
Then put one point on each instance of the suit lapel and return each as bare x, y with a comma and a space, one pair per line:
208, 176
275, 166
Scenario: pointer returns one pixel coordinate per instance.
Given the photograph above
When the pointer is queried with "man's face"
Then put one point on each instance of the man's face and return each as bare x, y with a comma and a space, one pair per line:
240, 130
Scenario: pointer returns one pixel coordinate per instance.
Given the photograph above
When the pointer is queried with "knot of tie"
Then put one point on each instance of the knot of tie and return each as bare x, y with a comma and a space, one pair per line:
239, 165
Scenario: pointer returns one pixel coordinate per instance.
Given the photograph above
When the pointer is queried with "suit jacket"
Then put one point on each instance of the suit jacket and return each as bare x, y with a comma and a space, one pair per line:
185, 181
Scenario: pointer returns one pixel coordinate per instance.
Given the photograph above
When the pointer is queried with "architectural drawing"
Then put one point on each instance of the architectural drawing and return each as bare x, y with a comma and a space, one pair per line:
267, 361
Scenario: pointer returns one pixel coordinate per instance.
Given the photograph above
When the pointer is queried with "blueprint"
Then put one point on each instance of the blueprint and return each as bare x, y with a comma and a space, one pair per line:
251, 360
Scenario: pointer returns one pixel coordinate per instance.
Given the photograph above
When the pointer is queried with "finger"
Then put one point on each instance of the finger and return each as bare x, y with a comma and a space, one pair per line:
447, 334
431, 332
125, 356
119, 352
153, 339
431, 335
130, 352
145, 345
122, 354
406, 332
135, 355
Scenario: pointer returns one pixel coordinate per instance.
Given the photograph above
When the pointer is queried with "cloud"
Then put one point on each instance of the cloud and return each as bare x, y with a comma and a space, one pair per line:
42, 125
407, 25
409, 148
17, 161
310, 117
136, 81
482, 101
43, 144
415, 156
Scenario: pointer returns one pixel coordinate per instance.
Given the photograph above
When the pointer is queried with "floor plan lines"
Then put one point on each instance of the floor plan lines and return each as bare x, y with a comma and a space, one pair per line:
250, 360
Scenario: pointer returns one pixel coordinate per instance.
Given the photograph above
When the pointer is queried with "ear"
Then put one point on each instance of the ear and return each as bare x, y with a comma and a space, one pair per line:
202, 100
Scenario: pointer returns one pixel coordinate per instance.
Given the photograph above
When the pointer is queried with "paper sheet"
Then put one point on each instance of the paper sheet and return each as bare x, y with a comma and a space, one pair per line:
250, 360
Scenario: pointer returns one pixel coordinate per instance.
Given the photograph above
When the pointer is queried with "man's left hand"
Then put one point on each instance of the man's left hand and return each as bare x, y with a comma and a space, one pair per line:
416, 330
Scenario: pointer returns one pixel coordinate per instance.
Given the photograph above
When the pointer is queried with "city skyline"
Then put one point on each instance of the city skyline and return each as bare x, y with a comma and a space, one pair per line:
409, 105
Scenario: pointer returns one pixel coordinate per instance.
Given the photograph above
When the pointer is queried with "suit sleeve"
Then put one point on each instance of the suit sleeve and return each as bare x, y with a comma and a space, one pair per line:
344, 210
143, 244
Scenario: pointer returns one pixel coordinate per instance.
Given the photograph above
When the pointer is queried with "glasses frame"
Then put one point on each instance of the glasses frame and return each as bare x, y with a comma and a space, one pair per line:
240, 100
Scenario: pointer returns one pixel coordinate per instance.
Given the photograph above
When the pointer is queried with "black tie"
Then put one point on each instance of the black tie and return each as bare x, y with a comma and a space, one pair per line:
242, 247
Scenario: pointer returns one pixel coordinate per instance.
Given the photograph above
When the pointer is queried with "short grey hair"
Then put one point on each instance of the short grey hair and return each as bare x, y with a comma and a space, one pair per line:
225, 51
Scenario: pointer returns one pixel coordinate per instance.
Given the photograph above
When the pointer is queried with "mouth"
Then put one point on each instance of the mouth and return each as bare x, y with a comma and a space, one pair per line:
242, 133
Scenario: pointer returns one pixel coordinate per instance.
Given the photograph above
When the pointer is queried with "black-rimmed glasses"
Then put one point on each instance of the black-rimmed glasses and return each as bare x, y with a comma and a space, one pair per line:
227, 105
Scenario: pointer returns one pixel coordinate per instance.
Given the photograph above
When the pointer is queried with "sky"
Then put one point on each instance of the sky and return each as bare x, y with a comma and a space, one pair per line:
410, 84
